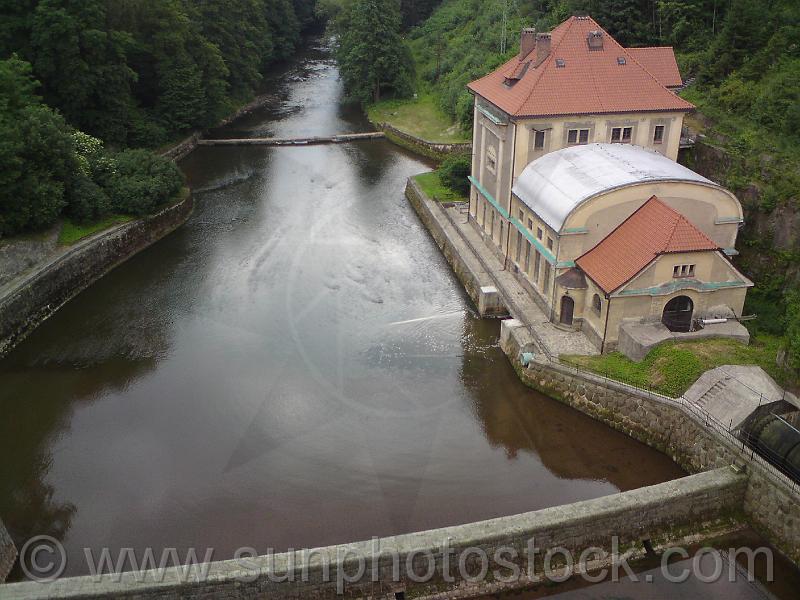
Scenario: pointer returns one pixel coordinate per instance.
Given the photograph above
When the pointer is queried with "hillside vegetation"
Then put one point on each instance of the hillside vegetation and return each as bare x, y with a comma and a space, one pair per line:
81, 80
742, 60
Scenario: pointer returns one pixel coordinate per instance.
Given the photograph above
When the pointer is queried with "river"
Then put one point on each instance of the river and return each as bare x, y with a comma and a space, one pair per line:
296, 366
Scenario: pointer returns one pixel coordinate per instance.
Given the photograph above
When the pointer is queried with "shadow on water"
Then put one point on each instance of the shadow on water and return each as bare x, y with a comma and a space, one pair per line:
297, 366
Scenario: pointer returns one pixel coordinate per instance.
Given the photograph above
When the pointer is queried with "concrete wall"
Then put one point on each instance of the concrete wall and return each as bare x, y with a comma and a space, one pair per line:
8, 553
663, 513
669, 425
48, 288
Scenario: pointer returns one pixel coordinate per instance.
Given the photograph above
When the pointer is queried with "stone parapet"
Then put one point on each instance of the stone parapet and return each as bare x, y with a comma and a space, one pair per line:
664, 514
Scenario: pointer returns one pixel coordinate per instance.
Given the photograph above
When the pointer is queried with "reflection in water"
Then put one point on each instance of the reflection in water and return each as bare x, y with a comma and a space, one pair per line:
294, 367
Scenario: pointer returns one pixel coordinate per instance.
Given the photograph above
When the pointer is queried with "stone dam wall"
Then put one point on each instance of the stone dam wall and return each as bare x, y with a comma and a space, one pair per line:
8, 553
429, 562
772, 501
51, 285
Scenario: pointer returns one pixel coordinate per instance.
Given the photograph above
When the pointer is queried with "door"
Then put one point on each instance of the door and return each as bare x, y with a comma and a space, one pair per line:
678, 314
567, 310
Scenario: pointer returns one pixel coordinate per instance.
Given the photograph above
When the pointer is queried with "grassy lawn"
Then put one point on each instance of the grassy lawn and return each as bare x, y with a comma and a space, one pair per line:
420, 117
435, 189
73, 232
671, 369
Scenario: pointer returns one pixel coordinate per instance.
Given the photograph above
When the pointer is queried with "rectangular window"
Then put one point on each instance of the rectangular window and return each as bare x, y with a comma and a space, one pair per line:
521, 216
539, 232
584, 136
527, 256
530, 224
658, 134
572, 136
538, 140
683, 271
536, 268
549, 243
546, 282
621, 134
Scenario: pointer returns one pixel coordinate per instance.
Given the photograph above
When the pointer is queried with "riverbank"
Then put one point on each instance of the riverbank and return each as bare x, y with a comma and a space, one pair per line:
673, 426
28, 300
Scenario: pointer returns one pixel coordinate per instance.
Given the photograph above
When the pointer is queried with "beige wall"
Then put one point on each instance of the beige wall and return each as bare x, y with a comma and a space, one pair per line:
600, 127
490, 140
703, 205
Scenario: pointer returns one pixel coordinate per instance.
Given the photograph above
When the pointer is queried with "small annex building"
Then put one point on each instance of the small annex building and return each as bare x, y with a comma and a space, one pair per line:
604, 233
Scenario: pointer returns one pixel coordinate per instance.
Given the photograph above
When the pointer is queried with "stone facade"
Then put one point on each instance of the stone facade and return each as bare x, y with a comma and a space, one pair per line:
49, 287
8, 553
664, 514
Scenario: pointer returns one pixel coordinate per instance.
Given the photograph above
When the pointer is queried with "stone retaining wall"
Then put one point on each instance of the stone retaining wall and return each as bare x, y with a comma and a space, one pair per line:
772, 503
665, 513
468, 269
433, 150
8, 553
53, 284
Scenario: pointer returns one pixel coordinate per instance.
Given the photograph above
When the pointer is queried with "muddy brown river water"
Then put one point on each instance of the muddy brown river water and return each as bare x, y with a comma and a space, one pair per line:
295, 367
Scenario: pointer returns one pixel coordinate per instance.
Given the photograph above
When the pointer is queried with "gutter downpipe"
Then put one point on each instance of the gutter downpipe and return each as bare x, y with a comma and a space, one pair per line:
510, 185
605, 328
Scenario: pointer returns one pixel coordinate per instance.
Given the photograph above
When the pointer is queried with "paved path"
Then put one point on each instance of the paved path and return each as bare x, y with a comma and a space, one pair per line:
519, 302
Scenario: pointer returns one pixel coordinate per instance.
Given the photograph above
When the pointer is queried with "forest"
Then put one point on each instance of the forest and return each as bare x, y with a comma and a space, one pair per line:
83, 83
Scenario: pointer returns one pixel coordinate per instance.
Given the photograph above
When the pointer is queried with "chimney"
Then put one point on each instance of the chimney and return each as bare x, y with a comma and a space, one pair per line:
542, 47
595, 40
527, 42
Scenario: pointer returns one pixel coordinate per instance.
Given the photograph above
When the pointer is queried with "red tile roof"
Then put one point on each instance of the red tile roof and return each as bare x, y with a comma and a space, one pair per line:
652, 230
660, 61
590, 82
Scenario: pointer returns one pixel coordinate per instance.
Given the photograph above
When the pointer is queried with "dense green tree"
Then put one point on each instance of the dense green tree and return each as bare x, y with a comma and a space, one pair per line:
284, 27
372, 56
241, 31
82, 65
37, 156
142, 181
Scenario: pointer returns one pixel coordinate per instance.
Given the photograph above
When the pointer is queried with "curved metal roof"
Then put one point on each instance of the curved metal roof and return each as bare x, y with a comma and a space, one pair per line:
555, 184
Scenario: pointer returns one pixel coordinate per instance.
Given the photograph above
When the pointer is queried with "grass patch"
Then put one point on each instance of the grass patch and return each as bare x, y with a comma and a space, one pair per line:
72, 232
433, 187
420, 117
672, 368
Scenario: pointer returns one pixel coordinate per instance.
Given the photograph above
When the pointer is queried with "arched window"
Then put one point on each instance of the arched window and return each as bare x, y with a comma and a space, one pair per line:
597, 304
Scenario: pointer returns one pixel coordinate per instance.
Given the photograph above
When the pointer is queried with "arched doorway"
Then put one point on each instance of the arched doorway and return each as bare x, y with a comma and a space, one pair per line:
678, 314
567, 310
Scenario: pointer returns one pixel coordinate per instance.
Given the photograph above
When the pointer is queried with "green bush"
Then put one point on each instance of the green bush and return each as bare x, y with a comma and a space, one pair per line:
87, 201
454, 171
142, 182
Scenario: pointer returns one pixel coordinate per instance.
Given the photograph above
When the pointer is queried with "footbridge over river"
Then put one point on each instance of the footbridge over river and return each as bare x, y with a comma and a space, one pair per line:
295, 141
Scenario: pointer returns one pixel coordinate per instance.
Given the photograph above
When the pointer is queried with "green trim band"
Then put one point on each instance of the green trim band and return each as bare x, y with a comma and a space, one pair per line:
683, 284
493, 118
488, 196
566, 264
548, 256
575, 231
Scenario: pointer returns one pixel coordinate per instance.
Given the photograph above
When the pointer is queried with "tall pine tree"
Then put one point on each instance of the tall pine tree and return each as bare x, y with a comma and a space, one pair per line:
371, 53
